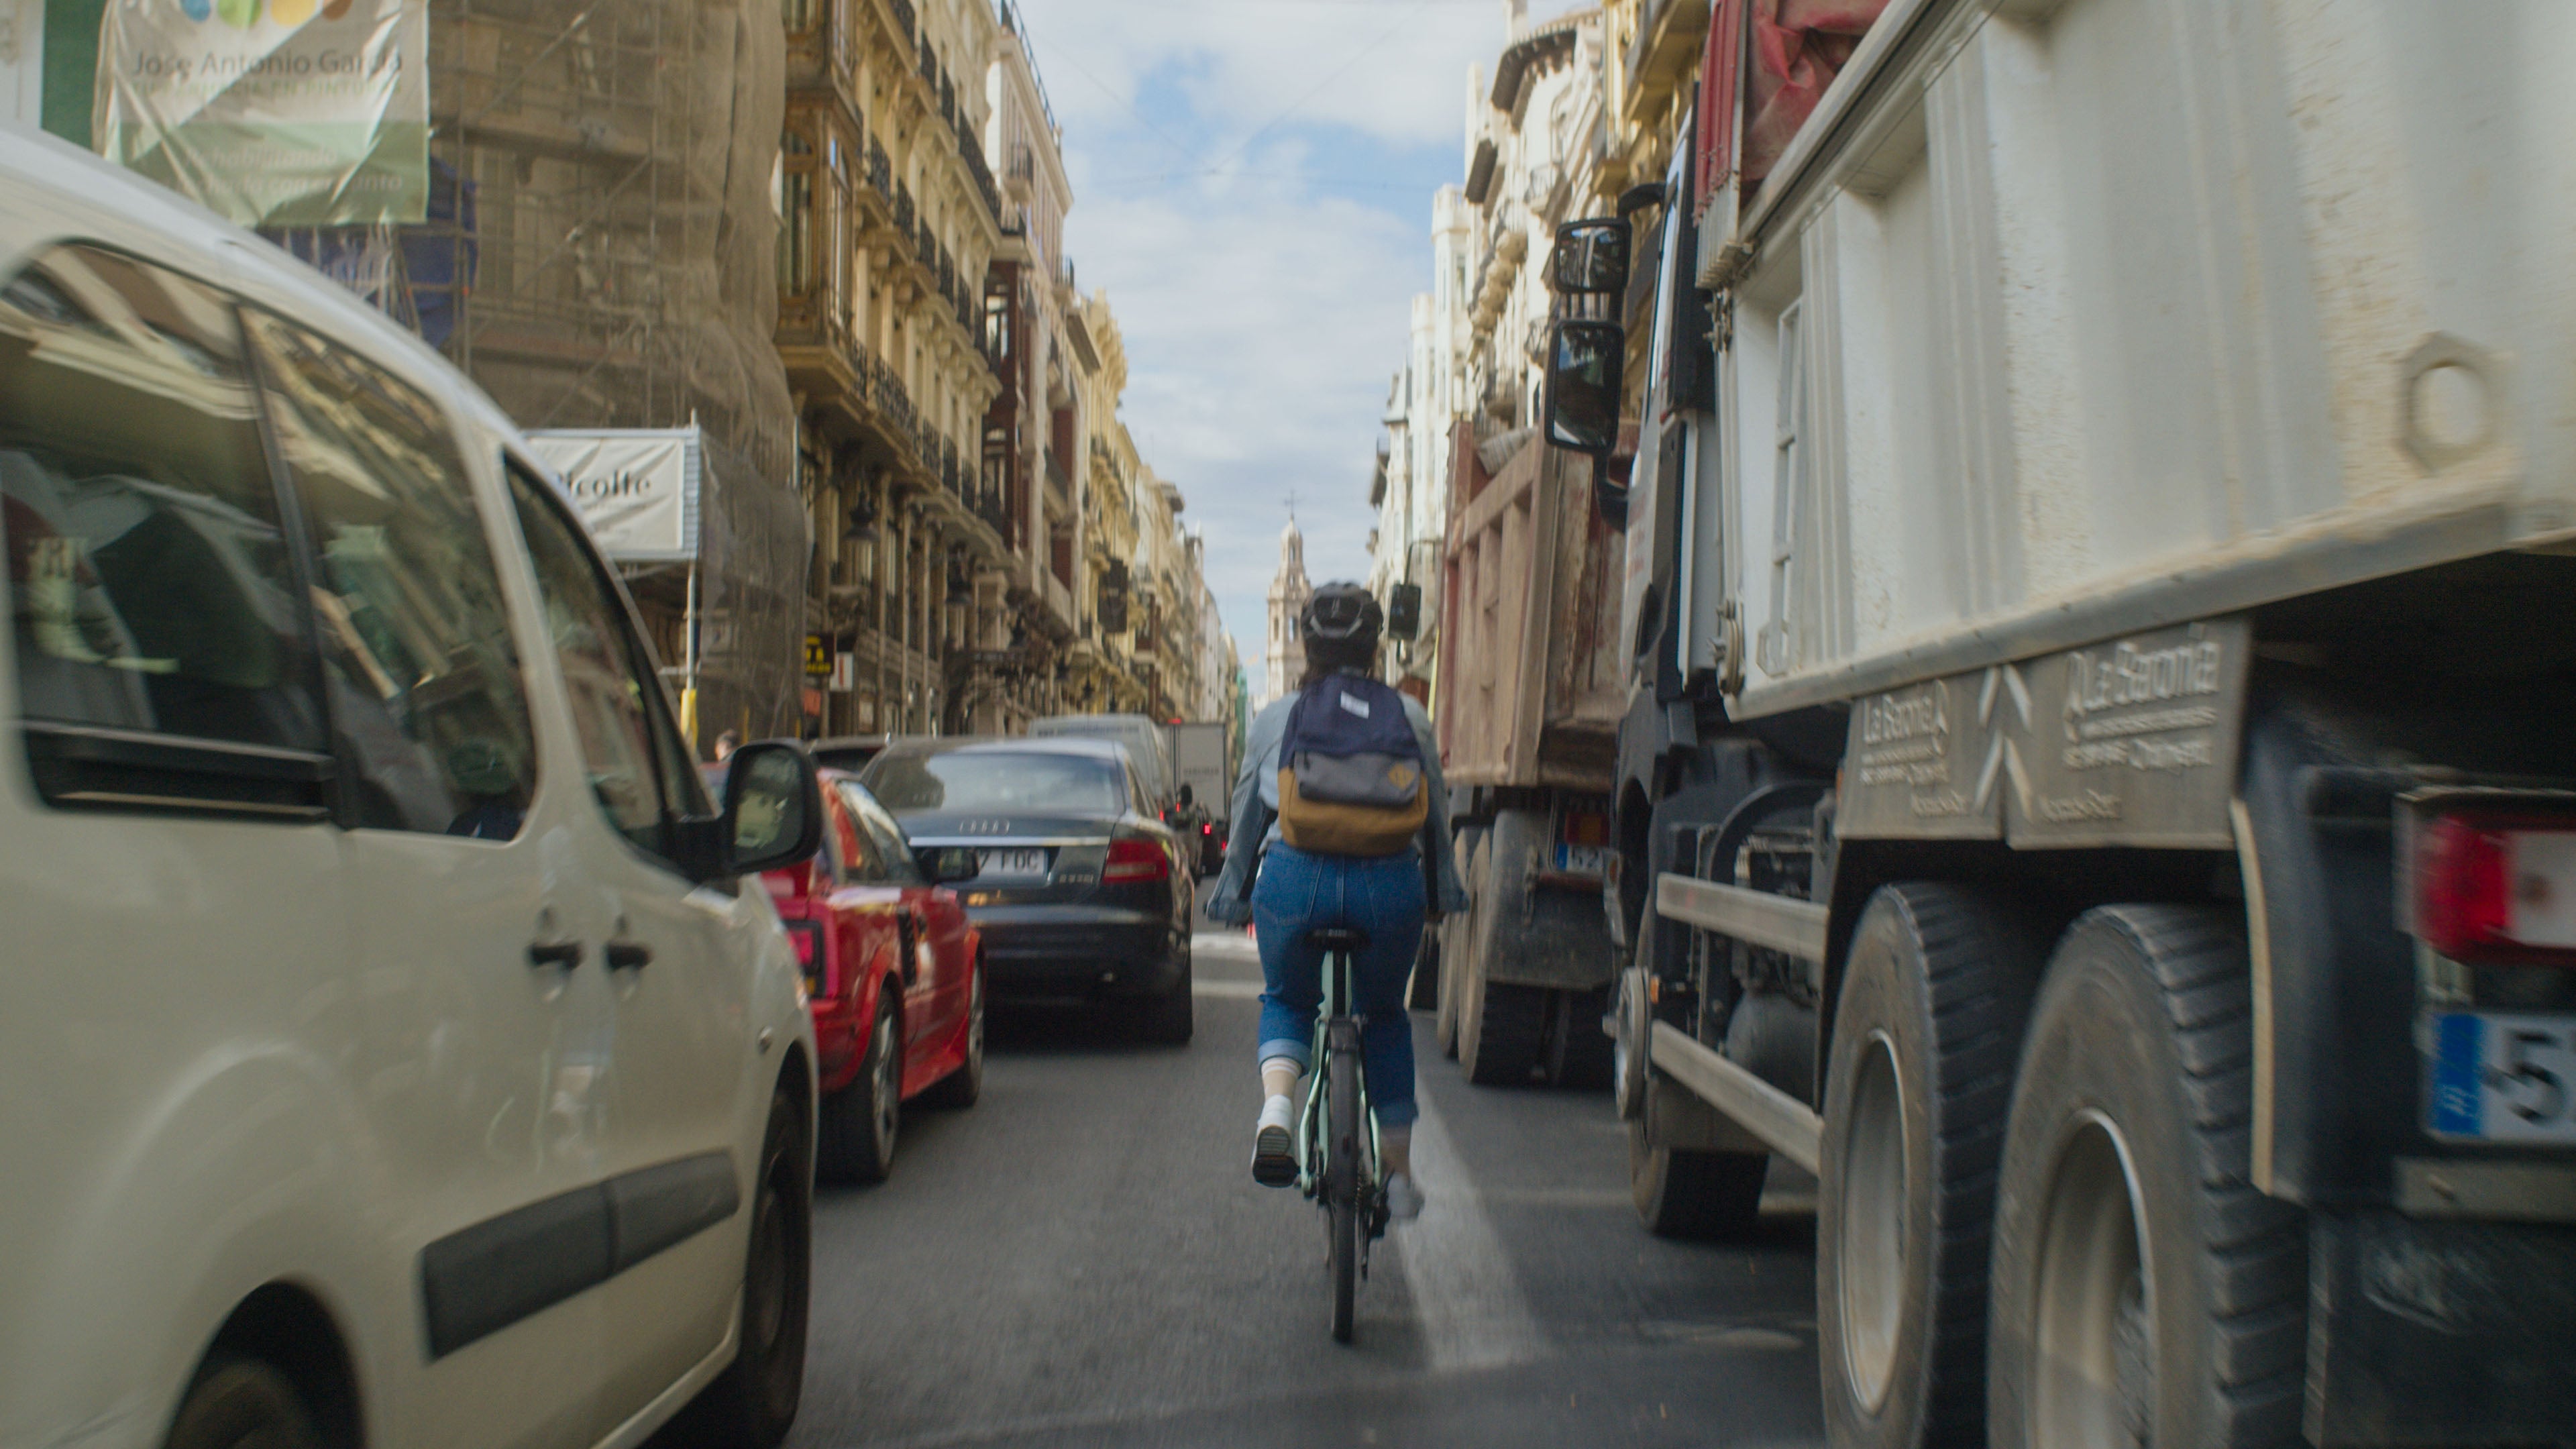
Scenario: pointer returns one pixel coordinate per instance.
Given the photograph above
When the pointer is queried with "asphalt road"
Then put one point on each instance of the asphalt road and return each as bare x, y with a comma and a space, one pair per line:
1084, 1259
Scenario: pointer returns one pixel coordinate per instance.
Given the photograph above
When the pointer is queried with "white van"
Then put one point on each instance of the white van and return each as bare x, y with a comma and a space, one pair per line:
391, 1052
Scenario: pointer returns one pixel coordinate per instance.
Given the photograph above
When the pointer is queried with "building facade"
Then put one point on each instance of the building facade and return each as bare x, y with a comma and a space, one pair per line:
889, 219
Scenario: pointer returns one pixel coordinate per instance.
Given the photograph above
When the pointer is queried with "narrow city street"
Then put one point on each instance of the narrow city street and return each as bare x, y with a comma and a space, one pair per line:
1082, 1259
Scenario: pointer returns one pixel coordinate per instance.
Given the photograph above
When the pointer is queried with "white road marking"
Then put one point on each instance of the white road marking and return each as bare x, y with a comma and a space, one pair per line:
1238, 990
1474, 1314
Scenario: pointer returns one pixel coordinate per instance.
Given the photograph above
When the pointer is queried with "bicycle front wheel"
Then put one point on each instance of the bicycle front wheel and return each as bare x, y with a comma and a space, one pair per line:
1342, 1186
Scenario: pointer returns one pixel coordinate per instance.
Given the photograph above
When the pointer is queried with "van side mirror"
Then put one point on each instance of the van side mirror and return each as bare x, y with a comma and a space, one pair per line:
1591, 256
1187, 796
773, 808
1586, 363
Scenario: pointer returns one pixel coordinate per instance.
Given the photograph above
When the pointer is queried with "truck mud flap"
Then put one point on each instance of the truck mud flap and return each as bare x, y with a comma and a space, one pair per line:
2433, 1332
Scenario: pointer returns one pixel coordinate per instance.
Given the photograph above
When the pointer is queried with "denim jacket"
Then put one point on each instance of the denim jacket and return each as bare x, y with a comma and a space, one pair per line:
1255, 814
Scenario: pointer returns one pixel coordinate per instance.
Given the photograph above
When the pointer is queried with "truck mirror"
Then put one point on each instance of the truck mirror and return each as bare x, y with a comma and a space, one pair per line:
1585, 366
1404, 611
1591, 256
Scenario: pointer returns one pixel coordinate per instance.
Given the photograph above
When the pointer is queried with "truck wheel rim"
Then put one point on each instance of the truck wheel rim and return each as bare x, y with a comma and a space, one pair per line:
1871, 1250
2093, 1373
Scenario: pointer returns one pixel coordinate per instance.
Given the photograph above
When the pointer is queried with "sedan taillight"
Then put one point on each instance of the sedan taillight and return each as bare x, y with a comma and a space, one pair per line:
1135, 860
2494, 887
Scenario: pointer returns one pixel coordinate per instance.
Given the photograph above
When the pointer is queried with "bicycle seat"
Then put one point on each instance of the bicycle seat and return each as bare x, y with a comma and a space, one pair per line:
1337, 938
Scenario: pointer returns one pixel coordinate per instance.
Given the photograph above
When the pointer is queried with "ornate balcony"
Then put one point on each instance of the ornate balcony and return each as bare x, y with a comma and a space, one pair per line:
903, 208
983, 174
880, 170
903, 18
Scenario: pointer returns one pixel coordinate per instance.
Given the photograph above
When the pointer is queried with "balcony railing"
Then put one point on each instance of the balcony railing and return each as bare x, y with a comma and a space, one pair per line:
903, 19
983, 174
902, 208
1057, 482
988, 506
880, 170
925, 245
947, 274
1024, 163
948, 469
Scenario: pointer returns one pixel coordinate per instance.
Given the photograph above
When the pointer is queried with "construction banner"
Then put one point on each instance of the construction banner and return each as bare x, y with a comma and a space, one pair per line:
273, 113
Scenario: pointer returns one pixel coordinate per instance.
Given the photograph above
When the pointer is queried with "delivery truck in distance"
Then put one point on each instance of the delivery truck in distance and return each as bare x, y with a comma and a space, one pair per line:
2093, 780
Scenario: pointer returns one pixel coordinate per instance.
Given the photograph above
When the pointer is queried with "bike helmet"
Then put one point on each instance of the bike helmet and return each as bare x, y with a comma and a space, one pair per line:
1342, 614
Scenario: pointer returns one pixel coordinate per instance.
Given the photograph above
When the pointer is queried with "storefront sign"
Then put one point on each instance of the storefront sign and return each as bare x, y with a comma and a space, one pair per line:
274, 113
636, 488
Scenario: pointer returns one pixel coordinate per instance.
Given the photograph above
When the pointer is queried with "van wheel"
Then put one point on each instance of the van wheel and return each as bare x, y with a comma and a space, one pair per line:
1927, 1029
2144, 1290
754, 1403
240, 1403
860, 1120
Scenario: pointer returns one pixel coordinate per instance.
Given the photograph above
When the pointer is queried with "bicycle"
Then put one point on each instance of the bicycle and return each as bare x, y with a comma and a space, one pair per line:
1332, 1169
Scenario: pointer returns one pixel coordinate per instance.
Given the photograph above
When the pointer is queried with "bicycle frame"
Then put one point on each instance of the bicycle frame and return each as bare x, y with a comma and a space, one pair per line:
1329, 1014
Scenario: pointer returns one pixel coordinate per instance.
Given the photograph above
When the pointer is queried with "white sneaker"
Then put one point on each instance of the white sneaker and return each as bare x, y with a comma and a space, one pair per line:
1403, 1198
1274, 1163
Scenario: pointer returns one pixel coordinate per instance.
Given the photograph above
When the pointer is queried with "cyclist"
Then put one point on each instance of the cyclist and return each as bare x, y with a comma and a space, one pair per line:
1287, 892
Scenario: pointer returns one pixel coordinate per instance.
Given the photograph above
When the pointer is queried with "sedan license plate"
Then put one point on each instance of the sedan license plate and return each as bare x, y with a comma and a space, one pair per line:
2503, 1077
1005, 864
1581, 859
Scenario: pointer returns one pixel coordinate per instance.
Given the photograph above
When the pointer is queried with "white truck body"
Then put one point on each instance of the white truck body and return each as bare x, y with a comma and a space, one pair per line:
1199, 761
2063, 321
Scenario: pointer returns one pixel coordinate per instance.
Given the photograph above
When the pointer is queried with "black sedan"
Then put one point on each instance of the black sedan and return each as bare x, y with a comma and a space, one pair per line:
1085, 894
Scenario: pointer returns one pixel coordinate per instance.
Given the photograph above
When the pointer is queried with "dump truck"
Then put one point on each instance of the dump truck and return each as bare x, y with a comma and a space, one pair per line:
1528, 684
2095, 781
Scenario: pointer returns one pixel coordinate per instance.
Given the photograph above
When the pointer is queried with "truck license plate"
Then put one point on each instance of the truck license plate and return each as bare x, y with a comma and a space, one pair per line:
2503, 1077
1004, 863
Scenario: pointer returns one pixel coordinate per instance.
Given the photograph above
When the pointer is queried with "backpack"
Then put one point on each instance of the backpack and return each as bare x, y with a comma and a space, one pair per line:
1350, 771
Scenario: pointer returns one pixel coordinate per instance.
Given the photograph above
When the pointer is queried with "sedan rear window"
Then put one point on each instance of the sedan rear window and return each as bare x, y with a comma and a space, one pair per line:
1003, 784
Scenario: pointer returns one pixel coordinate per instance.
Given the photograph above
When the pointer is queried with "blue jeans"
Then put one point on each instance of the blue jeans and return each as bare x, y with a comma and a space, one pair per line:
1381, 895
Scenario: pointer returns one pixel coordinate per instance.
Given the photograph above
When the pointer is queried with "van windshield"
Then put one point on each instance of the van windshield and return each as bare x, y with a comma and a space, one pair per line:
1000, 782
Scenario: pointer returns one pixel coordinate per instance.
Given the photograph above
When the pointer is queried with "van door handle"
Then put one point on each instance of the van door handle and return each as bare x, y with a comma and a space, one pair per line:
566, 954
629, 955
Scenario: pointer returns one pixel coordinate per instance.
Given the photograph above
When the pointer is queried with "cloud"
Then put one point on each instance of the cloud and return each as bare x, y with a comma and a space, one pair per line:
1253, 183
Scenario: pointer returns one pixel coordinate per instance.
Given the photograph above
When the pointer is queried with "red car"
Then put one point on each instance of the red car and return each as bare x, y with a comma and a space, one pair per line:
895, 971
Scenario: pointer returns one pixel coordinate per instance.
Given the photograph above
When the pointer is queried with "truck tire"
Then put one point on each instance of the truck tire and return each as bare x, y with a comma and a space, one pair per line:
1502, 1029
2128, 1145
1456, 935
1578, 1050
1636, 1019
1694, 1196
1927, 1029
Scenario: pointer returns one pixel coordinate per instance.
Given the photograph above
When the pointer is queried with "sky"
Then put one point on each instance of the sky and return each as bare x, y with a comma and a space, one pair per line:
1252, 188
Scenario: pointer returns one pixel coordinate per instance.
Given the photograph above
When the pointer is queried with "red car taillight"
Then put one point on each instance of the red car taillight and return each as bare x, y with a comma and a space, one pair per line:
2499, 888
807, 938
1135, 860
1207, 828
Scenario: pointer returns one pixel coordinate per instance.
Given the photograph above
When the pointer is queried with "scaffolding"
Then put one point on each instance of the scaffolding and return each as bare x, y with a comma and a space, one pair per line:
600, 252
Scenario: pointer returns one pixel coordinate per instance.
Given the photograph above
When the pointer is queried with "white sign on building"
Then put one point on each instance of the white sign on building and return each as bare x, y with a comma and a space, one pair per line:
272, 112
637, 488
22, 62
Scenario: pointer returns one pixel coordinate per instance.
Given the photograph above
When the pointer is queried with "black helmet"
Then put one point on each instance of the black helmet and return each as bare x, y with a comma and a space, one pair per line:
1342, 613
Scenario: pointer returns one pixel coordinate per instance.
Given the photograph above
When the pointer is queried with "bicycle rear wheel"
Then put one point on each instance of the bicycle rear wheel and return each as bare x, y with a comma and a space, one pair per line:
1341, 1186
